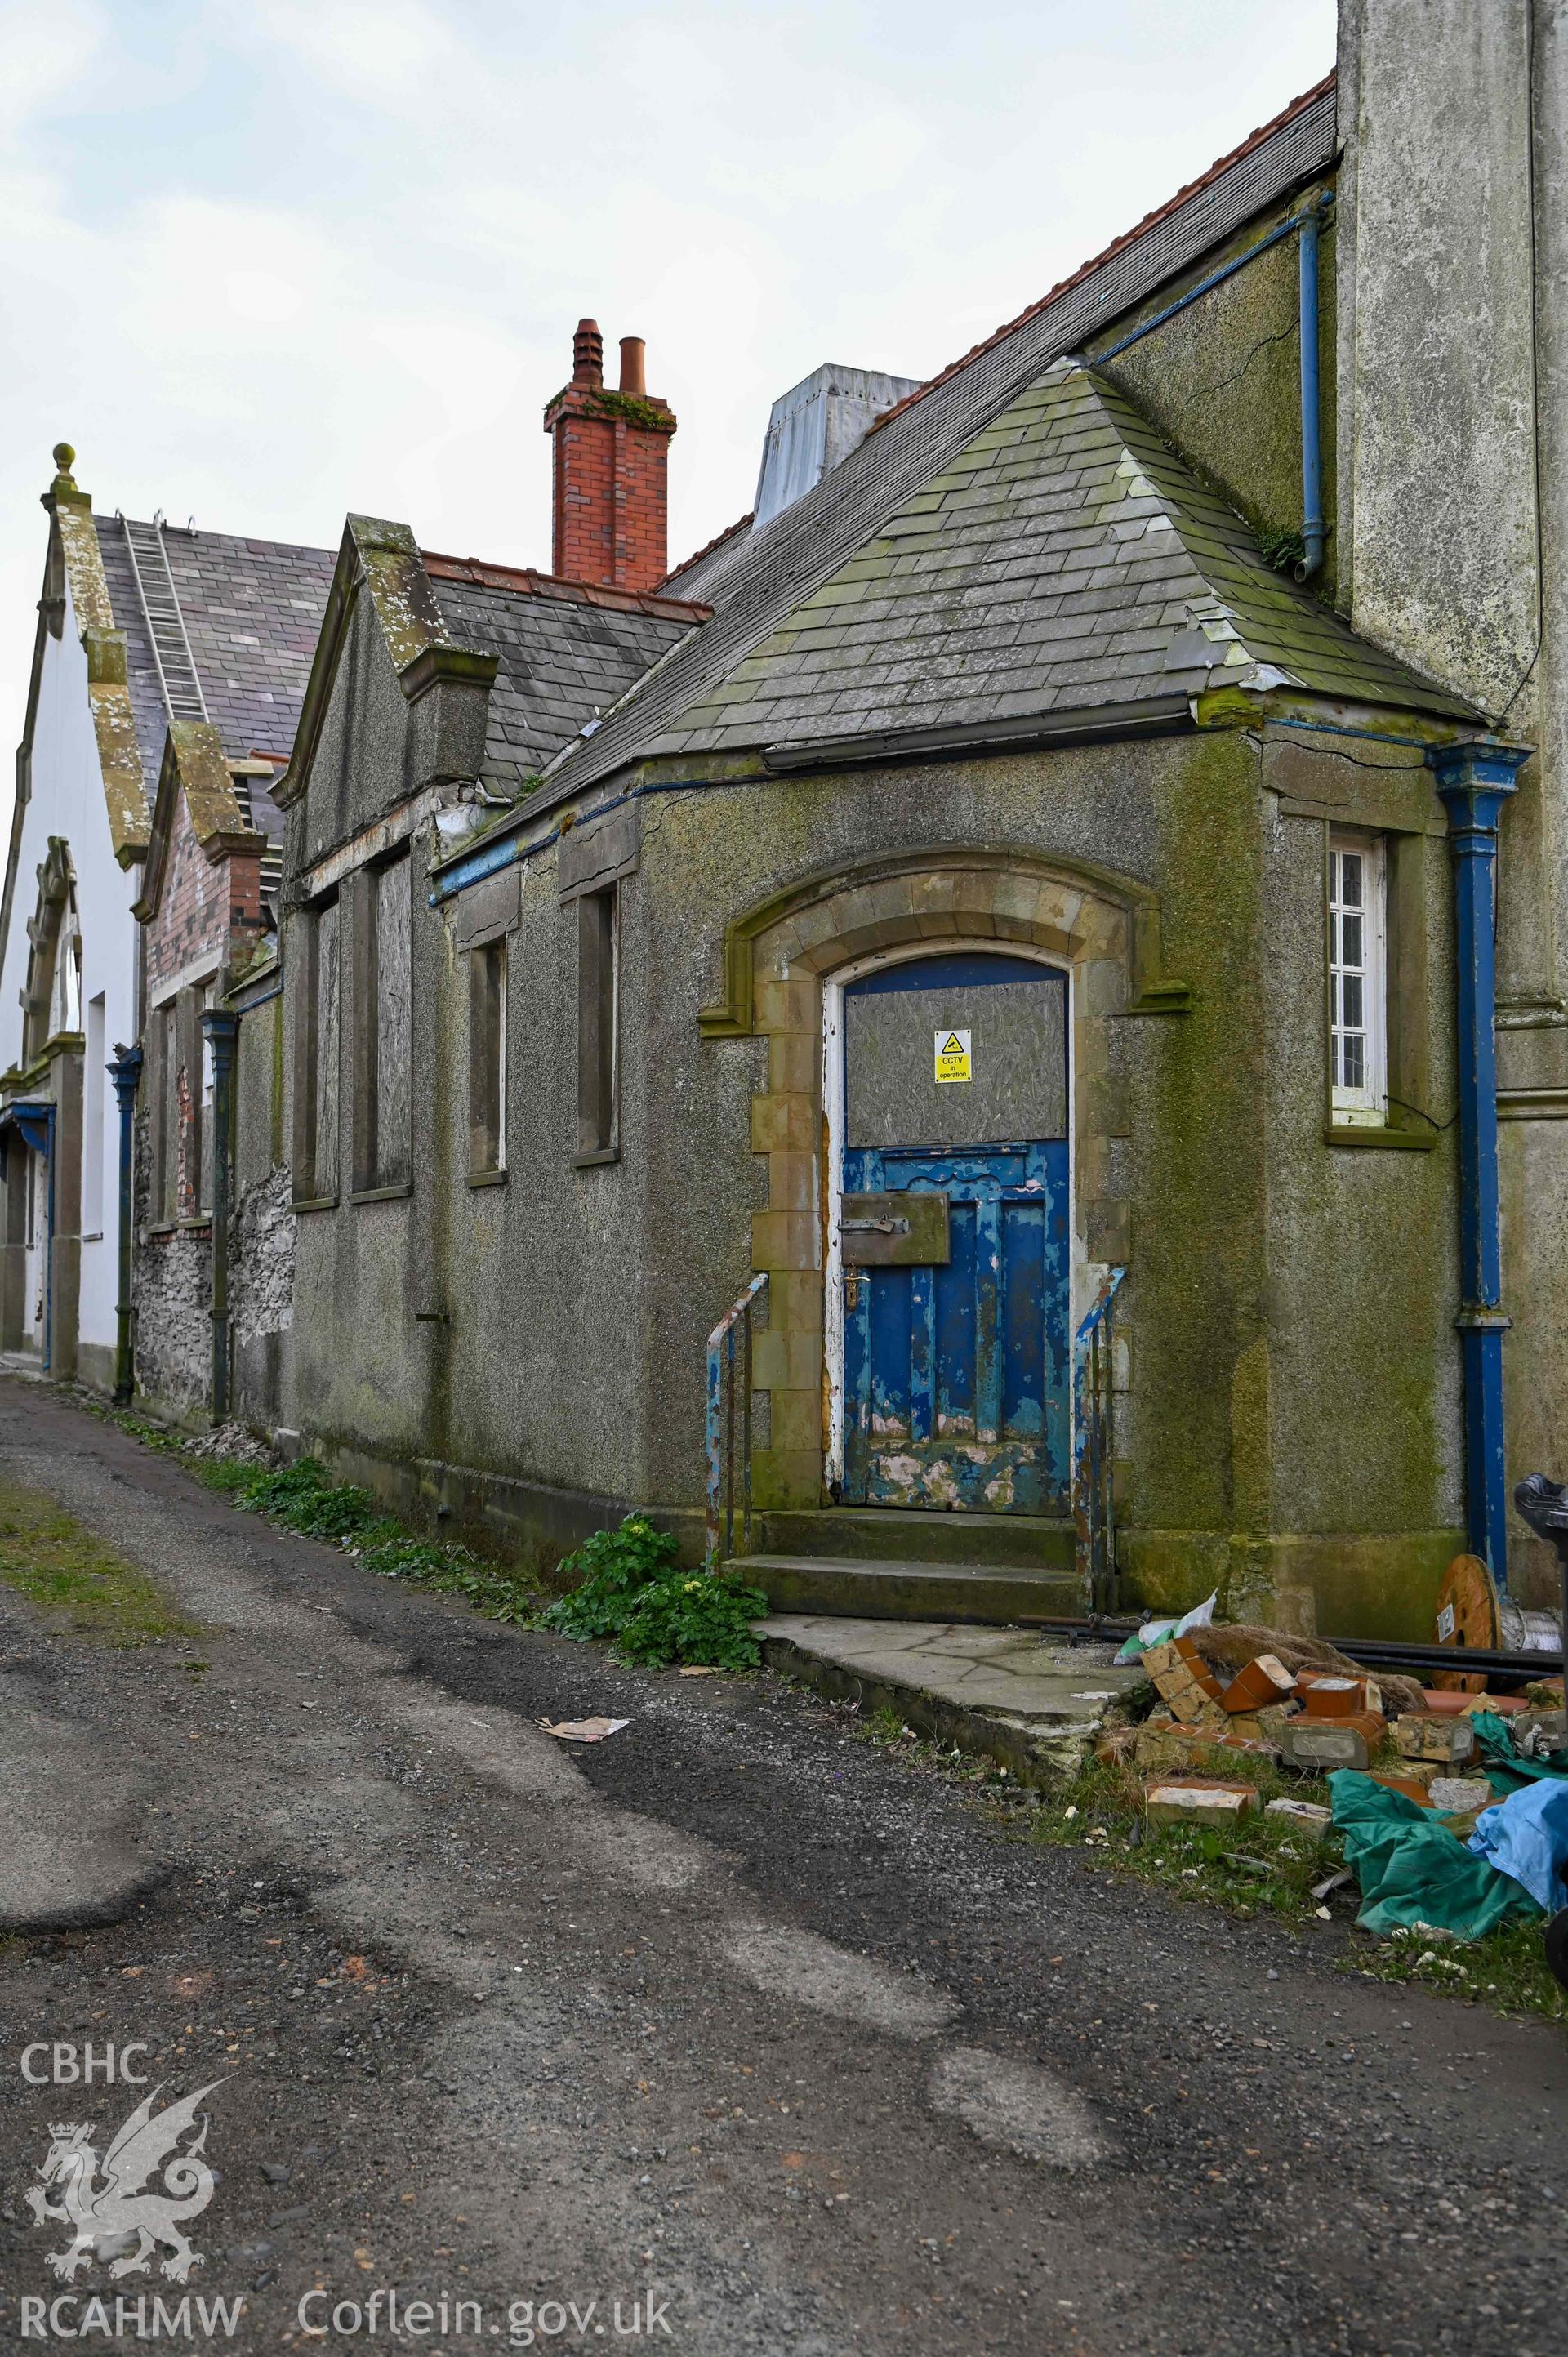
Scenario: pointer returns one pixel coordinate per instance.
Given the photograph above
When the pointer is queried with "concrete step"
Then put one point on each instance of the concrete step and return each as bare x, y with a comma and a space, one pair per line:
996, 1594
1034, 1705
895, 1535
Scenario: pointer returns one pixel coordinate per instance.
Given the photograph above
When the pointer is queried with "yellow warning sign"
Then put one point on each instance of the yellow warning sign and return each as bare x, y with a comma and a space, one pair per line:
953, 1056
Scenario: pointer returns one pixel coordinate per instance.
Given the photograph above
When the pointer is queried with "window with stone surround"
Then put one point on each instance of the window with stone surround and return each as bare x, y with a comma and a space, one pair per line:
486, 1062
315, 938
1358, 978
383, 1010
599, 1026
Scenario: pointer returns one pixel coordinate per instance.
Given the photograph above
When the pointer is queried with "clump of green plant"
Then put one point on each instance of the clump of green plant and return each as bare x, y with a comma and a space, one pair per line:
305, 1498
631, 1589
1284, 550
609, 1571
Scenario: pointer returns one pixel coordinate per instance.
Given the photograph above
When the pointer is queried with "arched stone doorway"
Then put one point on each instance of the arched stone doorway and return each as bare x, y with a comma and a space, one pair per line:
1100, 931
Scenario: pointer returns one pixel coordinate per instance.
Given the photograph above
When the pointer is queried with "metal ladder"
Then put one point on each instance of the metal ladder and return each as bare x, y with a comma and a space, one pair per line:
272, 857
179, 680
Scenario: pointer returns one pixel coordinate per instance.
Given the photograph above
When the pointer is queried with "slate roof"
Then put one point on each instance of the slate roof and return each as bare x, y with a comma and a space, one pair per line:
252, 613
791, 558
1064, 559
566, 653
699, 575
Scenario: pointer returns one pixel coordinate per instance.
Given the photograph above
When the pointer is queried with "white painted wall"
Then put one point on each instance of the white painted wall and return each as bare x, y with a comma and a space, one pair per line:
68, 800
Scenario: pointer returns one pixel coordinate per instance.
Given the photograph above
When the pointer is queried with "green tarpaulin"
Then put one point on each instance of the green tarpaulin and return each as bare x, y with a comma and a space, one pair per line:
1413, 1870
1505, 1770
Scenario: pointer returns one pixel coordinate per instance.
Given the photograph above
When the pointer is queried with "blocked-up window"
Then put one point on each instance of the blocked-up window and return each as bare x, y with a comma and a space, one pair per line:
384, 1014
315, 937
487, 1059
164, 1114
599, 1026
1358, 978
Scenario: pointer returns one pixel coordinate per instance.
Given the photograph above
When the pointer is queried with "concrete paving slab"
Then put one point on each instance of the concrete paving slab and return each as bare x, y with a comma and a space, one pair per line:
1031, 1703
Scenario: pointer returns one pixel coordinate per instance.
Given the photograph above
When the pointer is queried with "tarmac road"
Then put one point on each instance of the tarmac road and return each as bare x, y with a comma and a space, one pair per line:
730, 2014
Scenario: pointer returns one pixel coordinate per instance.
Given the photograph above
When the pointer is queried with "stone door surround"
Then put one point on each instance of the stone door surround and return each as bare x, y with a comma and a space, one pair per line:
1103, 928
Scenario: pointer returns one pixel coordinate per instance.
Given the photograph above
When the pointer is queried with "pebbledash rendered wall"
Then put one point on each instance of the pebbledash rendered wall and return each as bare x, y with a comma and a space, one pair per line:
530, 1356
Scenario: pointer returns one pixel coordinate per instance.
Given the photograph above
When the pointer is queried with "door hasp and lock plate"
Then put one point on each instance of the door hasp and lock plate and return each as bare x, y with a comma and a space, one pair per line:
896, 1231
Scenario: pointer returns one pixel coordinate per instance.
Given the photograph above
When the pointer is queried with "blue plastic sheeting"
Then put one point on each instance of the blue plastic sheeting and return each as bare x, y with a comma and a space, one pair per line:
1526, 1836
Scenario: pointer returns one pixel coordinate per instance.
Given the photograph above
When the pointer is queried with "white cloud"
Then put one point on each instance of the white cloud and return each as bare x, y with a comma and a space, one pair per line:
268, 260
378, 51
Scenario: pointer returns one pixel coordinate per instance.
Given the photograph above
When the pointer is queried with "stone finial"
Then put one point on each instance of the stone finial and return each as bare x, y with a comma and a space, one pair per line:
65, 459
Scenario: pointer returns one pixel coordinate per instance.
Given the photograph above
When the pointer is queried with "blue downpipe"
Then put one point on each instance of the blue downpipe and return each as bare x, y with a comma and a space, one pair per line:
1474, 781
1311, 438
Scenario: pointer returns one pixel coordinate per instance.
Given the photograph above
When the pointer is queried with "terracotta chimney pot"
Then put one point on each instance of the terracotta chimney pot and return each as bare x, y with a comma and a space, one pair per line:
587, 353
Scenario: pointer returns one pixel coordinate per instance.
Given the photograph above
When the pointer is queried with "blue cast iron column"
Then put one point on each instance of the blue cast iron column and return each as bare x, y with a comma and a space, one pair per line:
222, 1029
1474, 782
125, 1072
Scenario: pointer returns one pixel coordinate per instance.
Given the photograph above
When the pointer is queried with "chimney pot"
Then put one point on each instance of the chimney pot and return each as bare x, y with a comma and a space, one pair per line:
610, 465
632, 349
587, 353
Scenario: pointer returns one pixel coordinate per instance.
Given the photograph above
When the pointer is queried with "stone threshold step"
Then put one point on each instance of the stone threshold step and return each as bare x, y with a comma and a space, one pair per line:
898, 1591
1033, 1705
902, 1534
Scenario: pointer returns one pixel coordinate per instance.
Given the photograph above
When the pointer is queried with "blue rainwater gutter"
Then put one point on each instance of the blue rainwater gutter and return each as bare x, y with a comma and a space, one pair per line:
1474, 782
1307, 222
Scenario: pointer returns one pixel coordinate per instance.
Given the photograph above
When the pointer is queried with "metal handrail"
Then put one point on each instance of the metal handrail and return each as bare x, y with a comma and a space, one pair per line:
1094, 1394
721, 1435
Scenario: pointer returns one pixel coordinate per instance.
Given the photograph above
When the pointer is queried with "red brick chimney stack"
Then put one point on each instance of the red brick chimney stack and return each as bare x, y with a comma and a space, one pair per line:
612, 456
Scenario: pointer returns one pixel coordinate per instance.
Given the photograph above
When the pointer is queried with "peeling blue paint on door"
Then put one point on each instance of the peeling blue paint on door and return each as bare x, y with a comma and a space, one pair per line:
958, 1377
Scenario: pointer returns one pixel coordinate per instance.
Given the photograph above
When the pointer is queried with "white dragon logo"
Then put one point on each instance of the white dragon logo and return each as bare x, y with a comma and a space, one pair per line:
122, 2207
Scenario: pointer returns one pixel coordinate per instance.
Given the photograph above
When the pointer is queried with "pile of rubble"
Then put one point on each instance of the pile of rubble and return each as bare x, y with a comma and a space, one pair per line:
1231, 1694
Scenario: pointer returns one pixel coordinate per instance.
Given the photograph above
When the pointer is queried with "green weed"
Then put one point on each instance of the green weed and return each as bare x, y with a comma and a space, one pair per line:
1507, 1970
633, 1589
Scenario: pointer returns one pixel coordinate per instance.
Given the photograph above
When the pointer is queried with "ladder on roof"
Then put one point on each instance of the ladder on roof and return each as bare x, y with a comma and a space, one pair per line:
179, 680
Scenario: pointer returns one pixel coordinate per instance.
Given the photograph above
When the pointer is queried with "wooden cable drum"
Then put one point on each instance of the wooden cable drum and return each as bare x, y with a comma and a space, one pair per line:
1470, 1612
1467, 1616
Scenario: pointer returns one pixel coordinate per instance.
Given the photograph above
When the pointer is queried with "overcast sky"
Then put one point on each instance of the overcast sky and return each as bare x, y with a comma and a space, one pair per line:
271, 260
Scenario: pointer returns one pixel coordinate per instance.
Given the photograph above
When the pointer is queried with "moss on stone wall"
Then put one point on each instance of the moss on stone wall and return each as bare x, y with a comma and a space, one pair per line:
1222, 380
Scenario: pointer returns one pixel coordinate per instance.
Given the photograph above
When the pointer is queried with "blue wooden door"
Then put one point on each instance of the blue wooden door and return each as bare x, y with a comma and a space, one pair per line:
957, 1374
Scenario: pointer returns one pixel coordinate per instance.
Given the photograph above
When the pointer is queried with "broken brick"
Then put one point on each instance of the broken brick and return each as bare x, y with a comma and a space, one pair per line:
1435, 1735
1262, 1681
1322, 1744
1326, 1696
1460, 1797
1303, 1816
1202, 1800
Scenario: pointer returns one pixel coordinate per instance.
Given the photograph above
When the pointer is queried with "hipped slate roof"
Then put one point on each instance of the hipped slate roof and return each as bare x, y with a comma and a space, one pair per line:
1063, 560
252, 613
567, 653
793, 557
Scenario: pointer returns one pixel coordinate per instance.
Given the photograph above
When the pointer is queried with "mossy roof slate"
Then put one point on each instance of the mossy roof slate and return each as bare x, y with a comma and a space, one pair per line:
1065, 558
560, 663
